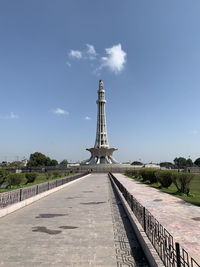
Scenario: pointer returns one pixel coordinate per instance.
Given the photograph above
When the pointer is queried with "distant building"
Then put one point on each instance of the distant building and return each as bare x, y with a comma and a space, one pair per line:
24, 162
152, 166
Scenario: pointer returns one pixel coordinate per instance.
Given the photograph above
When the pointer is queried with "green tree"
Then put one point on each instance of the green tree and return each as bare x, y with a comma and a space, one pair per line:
64, 162
136, 163
167, 164
53, 162
38, 159
197, 162
180, 162
3, 175
189, 163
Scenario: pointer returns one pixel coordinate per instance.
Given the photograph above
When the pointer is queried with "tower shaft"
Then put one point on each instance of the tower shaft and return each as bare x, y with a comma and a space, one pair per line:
101, 134
101, 153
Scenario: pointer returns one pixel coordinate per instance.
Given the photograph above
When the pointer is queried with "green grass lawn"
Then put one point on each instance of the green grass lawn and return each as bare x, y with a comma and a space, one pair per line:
41, 178
194, 197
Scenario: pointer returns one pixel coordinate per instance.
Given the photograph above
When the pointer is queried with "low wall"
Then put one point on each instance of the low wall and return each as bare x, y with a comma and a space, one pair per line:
17, 195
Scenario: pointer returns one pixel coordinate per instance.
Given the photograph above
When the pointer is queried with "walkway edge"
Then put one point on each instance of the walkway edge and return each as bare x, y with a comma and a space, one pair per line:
149, 251
14, 207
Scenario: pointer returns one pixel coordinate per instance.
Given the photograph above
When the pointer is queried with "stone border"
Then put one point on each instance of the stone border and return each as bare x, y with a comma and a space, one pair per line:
9, 209
149, 251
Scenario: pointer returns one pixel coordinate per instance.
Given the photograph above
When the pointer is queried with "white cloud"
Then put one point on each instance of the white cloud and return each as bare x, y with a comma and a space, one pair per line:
12, 116
76, 54
194, 132
115, 60
91, 51
68, 64
60, 111
87, 118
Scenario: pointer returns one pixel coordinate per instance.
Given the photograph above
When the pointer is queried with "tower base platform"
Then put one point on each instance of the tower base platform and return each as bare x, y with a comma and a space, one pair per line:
102, 155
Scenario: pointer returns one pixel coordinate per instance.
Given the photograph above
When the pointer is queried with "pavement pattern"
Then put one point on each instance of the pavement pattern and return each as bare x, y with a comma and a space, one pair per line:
83, 224
180, 218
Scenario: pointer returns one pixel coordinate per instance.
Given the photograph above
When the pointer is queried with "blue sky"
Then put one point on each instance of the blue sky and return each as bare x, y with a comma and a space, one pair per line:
52, 54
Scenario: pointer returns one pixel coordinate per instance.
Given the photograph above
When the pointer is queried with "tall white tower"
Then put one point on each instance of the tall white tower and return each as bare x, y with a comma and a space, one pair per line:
101, 153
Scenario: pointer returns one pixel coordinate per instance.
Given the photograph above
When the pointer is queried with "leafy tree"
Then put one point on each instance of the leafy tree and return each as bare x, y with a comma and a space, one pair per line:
15, 164
136, 163
38, 159
180, 162
3, 175
64, 162
167, 164
53, 162
189, 163
197, 162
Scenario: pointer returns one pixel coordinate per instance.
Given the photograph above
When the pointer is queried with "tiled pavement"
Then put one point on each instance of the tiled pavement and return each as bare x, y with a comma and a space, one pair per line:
79, 225
180, 218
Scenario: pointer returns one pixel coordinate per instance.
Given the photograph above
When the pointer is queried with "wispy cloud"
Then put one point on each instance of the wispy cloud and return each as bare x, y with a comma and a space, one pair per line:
87, 118
194, 132
68, 64
75, 54
11, 116
91, 51
60, 111
115, 59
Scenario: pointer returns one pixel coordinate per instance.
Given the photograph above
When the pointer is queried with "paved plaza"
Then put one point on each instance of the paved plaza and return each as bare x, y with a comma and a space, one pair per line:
180, 218
83, 224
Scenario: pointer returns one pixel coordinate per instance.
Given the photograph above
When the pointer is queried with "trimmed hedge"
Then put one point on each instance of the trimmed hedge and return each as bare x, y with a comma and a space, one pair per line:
164, 178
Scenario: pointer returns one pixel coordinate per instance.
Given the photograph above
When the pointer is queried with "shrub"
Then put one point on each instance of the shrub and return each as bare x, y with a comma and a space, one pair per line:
14, 179
134, 173
185, 180
148, 174
56, 174
3, 175
48, 175
30, 177
143, 174
164, 178
182, 181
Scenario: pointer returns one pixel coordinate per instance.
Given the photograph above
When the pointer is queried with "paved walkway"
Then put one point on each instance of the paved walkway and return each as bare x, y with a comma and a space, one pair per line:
79, 225
180, 218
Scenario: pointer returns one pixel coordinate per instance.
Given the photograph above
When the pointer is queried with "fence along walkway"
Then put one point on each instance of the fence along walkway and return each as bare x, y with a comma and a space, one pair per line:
76, 226
157, 211
17, 195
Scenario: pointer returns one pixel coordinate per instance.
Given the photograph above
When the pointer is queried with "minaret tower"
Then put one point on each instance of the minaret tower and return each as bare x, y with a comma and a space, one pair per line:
101, 153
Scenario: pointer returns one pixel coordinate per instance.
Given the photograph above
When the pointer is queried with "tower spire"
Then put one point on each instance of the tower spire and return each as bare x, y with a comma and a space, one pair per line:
101, 134
101, 153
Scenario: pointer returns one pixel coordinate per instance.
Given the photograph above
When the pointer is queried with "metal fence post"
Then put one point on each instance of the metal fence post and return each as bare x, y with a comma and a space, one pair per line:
178, 256
132, 202
144, 219
20, 194
37, 189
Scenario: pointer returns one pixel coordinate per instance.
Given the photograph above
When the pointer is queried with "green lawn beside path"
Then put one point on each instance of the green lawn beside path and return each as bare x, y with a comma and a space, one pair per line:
41, 178
194, 196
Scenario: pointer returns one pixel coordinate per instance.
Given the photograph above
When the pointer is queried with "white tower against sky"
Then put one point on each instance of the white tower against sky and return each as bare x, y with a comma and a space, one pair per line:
101, 153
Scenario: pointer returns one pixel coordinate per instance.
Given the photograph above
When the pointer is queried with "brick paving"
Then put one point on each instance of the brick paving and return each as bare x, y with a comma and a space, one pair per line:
180, 218
79, 225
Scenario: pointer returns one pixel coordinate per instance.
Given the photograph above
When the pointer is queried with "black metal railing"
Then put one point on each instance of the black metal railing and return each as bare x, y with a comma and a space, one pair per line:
170, 252
17, 195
